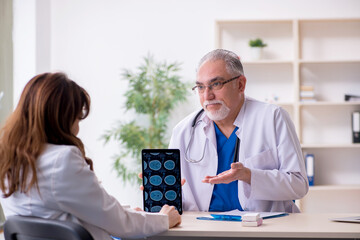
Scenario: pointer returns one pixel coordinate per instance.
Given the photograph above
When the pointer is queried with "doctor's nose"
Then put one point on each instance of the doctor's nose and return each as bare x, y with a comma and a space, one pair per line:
208, 94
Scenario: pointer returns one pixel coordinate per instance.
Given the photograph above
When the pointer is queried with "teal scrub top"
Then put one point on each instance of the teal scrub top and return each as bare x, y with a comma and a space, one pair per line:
225, 196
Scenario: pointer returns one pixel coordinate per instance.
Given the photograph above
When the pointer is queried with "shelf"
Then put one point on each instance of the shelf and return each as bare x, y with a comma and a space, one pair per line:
332, 82
329, 40
274, 79
322, 53
351, 145
329, 61
329, 104
331, 198
268, 62
283, 104
334, 187
256, 21
279, 40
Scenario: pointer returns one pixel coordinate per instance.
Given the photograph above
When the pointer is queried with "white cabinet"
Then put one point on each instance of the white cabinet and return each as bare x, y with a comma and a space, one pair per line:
338, 199
324, 54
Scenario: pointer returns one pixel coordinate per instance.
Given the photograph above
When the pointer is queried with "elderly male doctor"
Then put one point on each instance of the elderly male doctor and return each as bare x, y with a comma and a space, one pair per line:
243, 154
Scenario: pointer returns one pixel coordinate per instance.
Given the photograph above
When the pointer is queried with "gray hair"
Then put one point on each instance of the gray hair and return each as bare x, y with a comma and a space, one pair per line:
232, 61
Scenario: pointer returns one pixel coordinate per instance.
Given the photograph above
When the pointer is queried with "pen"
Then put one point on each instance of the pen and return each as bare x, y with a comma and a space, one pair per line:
226, 217
236, 154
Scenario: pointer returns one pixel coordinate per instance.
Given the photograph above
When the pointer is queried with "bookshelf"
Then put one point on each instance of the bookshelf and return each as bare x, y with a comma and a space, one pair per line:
322, 53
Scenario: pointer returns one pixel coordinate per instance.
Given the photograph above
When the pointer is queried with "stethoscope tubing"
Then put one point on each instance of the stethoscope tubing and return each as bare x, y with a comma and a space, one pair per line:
196, 117
193, 125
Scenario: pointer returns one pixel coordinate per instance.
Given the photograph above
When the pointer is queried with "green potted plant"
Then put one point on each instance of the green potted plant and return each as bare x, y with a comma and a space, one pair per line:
257, 46
153, 91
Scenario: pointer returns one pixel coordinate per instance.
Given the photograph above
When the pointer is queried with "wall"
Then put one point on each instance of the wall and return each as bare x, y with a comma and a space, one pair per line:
6, 57
24, 41
93, 40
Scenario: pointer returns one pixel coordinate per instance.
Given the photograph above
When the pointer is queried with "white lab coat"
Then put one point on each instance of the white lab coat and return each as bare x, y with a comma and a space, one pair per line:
70, 191
268, 146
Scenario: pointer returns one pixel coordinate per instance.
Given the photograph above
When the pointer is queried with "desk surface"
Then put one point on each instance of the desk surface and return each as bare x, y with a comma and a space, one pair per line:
295, 225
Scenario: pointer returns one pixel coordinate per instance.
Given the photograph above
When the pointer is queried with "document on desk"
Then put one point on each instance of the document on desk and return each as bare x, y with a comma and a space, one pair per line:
235, 215
347, 219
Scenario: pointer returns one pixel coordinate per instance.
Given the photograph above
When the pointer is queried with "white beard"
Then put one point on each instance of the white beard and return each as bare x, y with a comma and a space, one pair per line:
217, 115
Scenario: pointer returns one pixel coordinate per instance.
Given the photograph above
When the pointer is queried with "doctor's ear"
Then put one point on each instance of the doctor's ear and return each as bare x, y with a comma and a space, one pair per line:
242, 83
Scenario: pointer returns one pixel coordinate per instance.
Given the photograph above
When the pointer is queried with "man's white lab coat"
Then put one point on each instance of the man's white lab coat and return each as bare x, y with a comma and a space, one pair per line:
268, 146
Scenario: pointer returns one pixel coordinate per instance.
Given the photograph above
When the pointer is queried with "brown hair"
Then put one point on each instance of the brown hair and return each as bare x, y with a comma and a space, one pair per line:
48, 107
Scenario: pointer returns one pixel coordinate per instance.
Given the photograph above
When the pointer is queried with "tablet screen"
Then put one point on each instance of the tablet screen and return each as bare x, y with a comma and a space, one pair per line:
161, 179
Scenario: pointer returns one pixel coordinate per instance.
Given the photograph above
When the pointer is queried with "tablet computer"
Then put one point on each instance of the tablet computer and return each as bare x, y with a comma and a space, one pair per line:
161, 179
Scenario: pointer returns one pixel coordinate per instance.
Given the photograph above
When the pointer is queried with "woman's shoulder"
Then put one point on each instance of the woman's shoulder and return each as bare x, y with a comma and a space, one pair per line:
60, 149
57, 158
60, 152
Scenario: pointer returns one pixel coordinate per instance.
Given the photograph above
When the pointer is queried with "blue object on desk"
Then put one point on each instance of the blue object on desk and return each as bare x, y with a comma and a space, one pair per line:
226, 217
220, 219
237, 218
275, 216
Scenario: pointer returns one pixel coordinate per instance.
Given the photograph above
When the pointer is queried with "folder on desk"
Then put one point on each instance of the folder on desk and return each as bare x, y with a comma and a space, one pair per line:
356, 127
236, 215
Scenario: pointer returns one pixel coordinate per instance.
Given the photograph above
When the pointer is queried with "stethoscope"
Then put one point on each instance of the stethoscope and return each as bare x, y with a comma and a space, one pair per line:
193, 126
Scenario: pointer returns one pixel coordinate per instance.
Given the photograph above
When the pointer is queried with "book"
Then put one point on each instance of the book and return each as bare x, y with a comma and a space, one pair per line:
308, 100
306, 88
307, 93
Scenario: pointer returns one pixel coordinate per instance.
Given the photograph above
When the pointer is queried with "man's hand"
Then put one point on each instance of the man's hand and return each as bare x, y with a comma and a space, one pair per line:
237, 172
142, 187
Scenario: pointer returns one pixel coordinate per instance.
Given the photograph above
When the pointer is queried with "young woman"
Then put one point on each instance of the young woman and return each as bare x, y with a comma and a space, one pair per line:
44, 171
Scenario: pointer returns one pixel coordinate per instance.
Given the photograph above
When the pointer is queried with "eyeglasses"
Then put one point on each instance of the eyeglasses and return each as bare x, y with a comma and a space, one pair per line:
217, 85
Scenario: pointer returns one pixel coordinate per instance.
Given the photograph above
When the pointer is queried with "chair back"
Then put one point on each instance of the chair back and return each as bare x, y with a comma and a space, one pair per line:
31, 228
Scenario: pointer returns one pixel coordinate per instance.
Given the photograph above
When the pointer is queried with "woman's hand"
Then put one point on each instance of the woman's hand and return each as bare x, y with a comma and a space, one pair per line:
174, 216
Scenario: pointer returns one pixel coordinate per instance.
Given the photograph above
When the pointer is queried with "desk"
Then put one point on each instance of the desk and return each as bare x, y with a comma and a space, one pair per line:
296, 225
